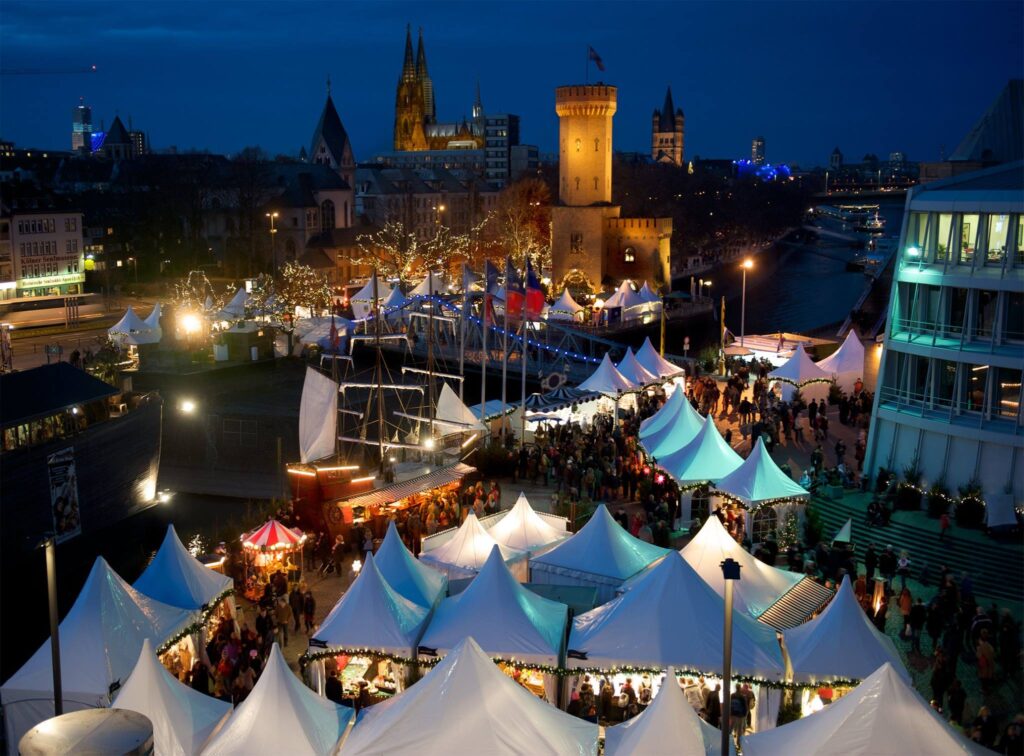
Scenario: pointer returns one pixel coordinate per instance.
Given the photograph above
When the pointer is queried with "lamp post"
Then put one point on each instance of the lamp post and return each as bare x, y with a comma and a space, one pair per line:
49, 544
273, 247
731, 573
135, 265
747, 265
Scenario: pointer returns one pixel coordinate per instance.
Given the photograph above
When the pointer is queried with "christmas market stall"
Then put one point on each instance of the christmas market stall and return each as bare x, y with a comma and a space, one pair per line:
464, 554
614, 386
651, 359
673, 426
634, 372
268, 550
799, 373
407, 576
665, 414
525, 529
846, 364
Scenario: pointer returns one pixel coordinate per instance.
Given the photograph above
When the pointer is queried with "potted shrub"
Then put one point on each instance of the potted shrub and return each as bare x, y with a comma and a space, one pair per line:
970, 509
938, 499
883, 479
908, 496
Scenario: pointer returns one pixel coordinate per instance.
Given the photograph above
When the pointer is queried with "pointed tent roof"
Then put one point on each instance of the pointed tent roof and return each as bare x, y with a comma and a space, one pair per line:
565, 307
649, 357
845, 532
330, 130
602, 547
682, 617
841, 643
634, 372
798, 369
153, 319
759, 479
422, 289
183, 719
371, 614
524, 529
451, 411
624, 297
394, 298
177, 578
362, 300
281, 715
648, 295
848, 358
665, 414
680, 430
668, 725
468, 550
606, 379
408, 577
706, 457
760, 585
507, 620
129, 323
235, 308
883, 716
467, 699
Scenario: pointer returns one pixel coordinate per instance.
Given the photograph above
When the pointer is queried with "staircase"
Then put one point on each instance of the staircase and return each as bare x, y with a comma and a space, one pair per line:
997, 569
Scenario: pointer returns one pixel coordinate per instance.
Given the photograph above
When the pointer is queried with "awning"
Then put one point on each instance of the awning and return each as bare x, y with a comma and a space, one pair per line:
398, 491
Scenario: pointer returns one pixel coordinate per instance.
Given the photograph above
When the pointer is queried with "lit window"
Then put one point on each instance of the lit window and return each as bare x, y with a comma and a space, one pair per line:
630, 254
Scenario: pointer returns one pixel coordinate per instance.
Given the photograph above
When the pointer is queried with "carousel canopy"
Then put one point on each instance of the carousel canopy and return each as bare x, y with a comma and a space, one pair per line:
706, 457
100, 640
671, 617
651, 359
760, 585
759, 479
434, 282
522, 528
565, 308
153, 319
177, 578
183, 719
668, 725
558, 399
847, 362
624, 297
634, 372
507, 620
273, 535
799, 369
676, 433
665, 414
606, 379
841, 643
235, 309
371, 614
465, 554
408, 577
883, 716
467, 703
129, 323
281, 715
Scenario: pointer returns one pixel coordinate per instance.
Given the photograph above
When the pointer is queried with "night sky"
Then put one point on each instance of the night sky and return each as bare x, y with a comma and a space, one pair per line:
868, 77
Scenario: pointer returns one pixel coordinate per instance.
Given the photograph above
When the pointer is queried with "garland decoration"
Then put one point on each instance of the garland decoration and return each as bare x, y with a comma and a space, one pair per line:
199, 624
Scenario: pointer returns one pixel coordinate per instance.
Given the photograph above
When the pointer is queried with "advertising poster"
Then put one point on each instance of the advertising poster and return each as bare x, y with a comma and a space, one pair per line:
67, 519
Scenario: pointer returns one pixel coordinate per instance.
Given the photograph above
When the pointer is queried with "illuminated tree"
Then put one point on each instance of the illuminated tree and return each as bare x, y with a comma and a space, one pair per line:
301, 286
191, 294
261, 299
392, 251
523, 221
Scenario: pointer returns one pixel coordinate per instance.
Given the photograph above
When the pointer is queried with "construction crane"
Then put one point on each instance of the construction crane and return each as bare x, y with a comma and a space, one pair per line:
46, 71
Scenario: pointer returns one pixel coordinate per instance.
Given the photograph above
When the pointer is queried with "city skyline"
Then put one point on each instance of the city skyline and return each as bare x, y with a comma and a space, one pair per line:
737, 70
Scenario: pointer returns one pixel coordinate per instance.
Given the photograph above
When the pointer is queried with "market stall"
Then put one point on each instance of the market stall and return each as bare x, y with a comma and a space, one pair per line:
465, 553
634, 372
676, 431
665, 414
846, 364
177, 578
614, 386
268, 550
566, 308
651, 359
410, 578
799, 373
525, 529
706, 458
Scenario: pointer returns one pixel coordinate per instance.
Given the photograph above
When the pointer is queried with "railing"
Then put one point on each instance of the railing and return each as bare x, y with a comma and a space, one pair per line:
910, 327
948, 410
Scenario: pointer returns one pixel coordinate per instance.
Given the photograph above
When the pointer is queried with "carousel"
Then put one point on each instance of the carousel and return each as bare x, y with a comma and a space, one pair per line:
269, 550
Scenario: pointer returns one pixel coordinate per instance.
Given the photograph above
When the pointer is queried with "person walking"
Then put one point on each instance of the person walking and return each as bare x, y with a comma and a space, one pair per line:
903, 569
338, 554
944, 524
738, 714
308, 610
295, 602
282, 616
918, 618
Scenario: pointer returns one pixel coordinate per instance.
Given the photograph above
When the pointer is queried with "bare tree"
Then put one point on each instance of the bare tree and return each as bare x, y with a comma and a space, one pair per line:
523, 220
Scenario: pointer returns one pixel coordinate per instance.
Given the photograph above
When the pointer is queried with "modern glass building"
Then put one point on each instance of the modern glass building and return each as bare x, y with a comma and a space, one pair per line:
949, 389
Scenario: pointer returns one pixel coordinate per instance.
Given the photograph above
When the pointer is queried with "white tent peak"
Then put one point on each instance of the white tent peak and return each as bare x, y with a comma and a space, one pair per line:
177, 578
677, 432
647, 294
634, 372
625, 297
565, 307
665, 414
468, 549
235, 308
522, 528
433, 282
799, 369
845, 532
607, 379
651, 359
759, 479
706, 458
129, 323
846, 364
362, 300
408, 577
281, 715
183, 719
153, 319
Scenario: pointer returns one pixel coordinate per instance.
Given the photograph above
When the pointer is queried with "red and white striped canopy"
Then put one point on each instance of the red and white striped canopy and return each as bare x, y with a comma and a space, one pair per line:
273, 535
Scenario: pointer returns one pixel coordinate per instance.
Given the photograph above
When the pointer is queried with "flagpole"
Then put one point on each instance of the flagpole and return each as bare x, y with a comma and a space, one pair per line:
504, 354
462, 327
485, 327
526, 332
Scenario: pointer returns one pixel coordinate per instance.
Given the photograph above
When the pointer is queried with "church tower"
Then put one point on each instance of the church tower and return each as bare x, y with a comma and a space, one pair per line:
410, 109
330, 144
667, 133
585, 143
426, 84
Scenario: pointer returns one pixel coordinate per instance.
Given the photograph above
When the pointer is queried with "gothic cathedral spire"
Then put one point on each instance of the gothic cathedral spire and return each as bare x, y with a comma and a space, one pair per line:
426, 84
411, 111
408, 66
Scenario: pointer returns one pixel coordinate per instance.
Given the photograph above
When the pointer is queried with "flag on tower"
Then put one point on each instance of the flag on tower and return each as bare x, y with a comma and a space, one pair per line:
593, 56
513, 290
534, 294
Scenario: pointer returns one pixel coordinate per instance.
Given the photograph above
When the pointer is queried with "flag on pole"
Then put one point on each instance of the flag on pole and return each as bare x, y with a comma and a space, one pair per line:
513, 289
468, 278
491, 283
534, 294
333, 336
595, 58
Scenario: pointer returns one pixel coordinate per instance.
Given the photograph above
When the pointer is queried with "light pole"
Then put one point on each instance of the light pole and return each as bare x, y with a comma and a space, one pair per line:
731, 573
273, 248
700, 288
50, 545
135, 264
747, 265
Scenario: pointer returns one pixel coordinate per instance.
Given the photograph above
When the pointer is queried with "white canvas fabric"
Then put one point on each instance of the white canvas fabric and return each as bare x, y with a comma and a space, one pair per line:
760, 585
522, 528
362, 300
507, 620
456, 415
372, 615
846, 364
433, 282
651, 359
177, 578
183, 719
883, 716
665, 414
465, 554
100, 640
130, 323
281, 715
841, 643
408, 577
318, 416
667, 727
799, 369
234, 309
759, 479
393, 300
680, 430
625, 298
318, 330
153, 319
634, 372
467, 705
565, 308
648, 295
706, 458
606, 379
671, 617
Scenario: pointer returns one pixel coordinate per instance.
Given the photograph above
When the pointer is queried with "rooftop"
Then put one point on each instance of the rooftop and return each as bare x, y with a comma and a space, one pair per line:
43, 391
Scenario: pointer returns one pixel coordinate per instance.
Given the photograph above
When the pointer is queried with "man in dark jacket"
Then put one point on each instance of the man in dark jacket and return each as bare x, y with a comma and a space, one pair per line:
295, 602
332, 688
870, 562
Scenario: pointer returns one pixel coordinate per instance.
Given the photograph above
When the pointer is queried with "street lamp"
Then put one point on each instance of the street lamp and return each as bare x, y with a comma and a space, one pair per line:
731, 573
273, 231
703, 283
747, 265
135, 264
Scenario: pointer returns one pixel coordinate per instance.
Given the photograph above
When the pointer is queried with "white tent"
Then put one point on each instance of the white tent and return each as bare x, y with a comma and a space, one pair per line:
281, 715
130, 323
671, 617
883, 716
846, 364
183, 719
841, 643
434, 283
759, 480
372, 615
669, 725
318, 331
522, 528
625, 298
318, 416
467, 551
362, 300
467, 705
651, 359
508, 621
393, 300
408, 577
634, 372
676, 433
800, 372
100, 639
153, 319
706, 458
606, 379
565, 308
234, 309
177, 578
760, 585
602, 555
665, 414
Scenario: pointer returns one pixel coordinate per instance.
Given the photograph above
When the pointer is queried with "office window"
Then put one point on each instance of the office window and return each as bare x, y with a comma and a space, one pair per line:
995, 243
1006, 394
985, 303
1018, 257
968, 238
944, 226
917, 228
972, 387
1013, 318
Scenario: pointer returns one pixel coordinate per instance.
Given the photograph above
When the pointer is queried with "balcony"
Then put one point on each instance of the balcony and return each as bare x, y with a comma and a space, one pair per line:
946, 411
941, 335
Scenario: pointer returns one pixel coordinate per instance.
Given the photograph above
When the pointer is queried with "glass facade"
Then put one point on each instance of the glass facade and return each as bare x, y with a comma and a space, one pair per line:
931, 236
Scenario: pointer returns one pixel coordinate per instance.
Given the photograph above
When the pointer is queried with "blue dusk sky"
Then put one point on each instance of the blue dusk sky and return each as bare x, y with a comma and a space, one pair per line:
808, 76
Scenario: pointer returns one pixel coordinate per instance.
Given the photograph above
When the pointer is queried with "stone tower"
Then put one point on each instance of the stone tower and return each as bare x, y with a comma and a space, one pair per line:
667, 131
585, 143
410, 108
